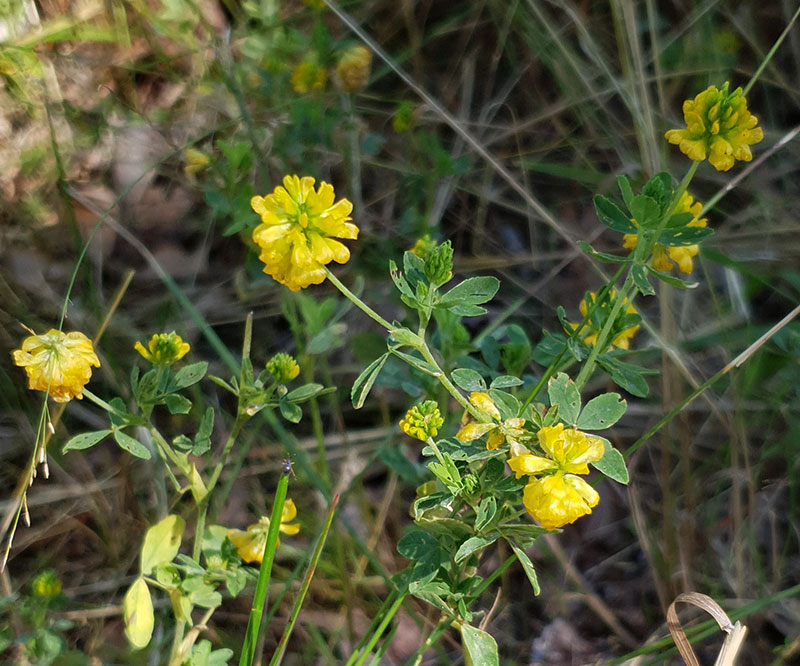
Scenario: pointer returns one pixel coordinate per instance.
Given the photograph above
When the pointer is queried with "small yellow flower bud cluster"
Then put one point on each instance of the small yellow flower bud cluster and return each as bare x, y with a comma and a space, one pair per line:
164, 348
718, 126
353, 68
46, 585
422, 421
196, 160
58, 363
591, 329
308, 76
283, 368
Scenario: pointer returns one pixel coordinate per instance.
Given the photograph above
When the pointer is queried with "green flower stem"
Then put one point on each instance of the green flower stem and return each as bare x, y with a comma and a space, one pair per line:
202, 506
445, 381
102, 403
605, 332
551, 369
436, 450
257, 610
421, 347
355, 300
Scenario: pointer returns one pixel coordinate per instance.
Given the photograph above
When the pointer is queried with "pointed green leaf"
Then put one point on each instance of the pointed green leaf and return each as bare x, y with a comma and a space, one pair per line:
671, 279
137, 613
304, 392
486, 513
612, 216
474, 544
639, 275
684, 236
132, 446
162, 542
527, 566
602, 412
625, 190
589, 251
191, 374
363, 385
472, 291
85, 440
416, 362
625, 375
505, 381
202, 440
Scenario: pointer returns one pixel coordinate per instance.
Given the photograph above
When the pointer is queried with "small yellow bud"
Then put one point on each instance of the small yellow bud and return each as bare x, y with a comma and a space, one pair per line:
283, 368
353, 69
422, 421
163, 348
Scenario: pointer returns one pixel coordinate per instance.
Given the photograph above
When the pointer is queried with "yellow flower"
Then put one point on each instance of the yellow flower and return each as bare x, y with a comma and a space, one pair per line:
422, 421
352, 70
663, 256
560, 497
252, 542
499, 431
196, 160
163, 348
298, 228
283, 368
46, 585
308, 76
423, 246
592, 328
59, 363
719, 125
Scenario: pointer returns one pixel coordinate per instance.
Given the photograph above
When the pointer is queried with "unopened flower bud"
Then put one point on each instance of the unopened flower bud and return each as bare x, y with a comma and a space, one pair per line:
353, 68
283, 368
422, 421
164, 348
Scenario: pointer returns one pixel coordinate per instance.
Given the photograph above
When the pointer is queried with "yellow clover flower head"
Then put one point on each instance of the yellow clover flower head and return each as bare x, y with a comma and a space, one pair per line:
46, 585
663, 256
298, 231
718, 125
283, 368
308, 76
163, 348
590, 331
422, 421
353, 68
252, 542
58, 363
423, 246
196, 160
559, 497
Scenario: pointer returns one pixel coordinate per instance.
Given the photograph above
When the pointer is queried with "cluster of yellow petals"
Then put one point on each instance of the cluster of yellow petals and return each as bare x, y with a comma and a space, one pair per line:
58, 363
298, 231
499, 431
353, 69
718, 126
663, 256
308, 76
163, 348
252, 542
589, 333
559, 496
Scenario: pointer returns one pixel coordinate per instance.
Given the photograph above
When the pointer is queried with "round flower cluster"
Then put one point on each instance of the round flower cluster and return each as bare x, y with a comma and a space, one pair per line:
298, 231
163, 348
58, 363
718, 125
422, 421
663, 256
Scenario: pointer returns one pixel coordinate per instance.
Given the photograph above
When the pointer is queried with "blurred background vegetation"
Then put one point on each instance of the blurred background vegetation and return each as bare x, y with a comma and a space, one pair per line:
99, 102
